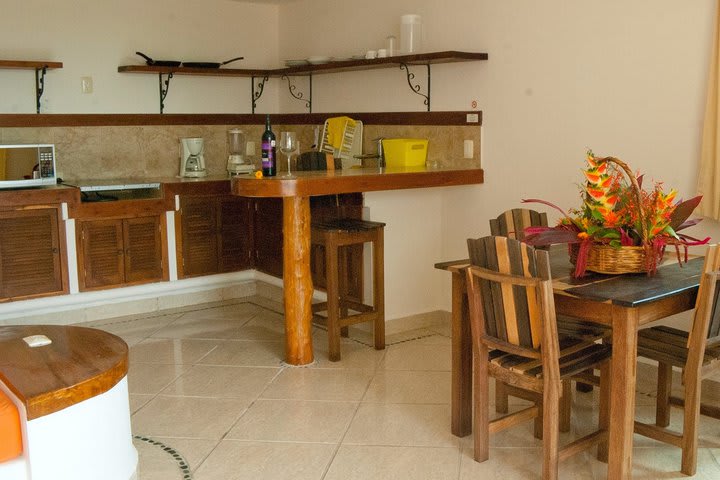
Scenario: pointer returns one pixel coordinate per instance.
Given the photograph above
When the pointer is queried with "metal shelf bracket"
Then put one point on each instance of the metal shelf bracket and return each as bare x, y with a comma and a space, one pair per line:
164, 87
292, 88
257, 94
39, 85
416, 87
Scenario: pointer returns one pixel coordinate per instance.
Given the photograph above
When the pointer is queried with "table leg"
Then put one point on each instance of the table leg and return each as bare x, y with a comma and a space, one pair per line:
622, 392
297, 280
461, 389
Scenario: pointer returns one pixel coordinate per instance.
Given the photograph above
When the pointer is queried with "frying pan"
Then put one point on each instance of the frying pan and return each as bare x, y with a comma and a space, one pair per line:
209, 64
158, 63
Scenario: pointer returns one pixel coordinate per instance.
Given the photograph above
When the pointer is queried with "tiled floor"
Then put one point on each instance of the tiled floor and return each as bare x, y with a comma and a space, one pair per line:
208, 387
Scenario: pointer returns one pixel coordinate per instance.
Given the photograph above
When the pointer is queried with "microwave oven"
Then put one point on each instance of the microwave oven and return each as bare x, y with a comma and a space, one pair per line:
27, 165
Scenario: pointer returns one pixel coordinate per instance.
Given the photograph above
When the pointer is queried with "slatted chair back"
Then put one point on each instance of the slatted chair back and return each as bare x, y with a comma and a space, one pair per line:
706, 324
510, 303
512, 223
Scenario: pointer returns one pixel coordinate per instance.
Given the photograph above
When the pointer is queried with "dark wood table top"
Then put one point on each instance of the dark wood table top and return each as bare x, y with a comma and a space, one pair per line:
80, 363
629, 290
323, 182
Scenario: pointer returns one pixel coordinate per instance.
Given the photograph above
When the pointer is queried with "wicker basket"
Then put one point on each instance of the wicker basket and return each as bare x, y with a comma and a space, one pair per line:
613, 261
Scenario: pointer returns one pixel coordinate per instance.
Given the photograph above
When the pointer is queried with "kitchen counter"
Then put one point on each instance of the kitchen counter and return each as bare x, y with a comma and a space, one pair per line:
310, 183
296, 192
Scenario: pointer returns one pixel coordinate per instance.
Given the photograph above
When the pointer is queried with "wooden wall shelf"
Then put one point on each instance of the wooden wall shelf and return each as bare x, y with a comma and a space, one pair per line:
165, 74
40, 69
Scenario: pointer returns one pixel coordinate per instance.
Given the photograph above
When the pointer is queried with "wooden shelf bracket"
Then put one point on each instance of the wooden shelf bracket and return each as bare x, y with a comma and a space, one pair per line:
39, 85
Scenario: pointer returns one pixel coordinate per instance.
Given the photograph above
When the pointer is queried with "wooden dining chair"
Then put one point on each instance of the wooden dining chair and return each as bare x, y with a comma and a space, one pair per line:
697, 353
515, 341
512, 223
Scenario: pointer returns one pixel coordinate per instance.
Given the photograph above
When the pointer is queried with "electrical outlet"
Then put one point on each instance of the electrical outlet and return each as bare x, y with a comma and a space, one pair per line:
86, 84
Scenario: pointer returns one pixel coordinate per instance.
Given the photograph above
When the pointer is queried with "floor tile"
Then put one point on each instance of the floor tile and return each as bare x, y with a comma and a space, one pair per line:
409, 387
357, 462
150, 378
164, 350
220, 381
137, 401
401, 425
190, 417
169, 458
319, 384
246, 353
239, 460
295, 421
412, 356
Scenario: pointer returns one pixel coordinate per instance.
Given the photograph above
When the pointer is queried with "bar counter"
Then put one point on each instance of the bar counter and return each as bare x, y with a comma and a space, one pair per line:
296, 191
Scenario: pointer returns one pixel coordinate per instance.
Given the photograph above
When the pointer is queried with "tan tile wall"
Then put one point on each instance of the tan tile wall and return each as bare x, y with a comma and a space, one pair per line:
153, 151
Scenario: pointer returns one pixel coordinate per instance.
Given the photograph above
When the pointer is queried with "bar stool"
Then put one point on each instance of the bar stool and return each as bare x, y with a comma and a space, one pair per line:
336, 234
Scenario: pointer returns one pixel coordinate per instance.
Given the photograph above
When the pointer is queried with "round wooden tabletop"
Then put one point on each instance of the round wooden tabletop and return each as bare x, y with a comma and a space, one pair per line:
80, 363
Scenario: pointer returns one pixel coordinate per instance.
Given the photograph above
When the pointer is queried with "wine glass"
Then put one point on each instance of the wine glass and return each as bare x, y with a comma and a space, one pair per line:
288, 146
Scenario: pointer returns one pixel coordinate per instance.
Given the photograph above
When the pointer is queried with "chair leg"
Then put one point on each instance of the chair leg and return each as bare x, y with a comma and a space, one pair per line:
343, 286
551, 433
333, 307
689, 442
501, 397
664, 388
565, 406
379, 291
604, 414
481, 415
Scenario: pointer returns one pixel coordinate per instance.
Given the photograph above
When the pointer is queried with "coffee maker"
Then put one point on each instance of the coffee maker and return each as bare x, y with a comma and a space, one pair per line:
238, 162
192, 161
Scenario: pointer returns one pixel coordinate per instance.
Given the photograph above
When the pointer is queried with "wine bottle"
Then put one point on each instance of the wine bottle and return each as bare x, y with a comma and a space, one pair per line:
268, 150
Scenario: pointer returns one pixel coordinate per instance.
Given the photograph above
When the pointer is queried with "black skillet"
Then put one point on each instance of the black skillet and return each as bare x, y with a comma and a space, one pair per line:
159, 63
209, 64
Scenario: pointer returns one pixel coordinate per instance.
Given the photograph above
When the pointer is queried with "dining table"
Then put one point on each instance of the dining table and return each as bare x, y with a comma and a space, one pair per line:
623, 302
295, 191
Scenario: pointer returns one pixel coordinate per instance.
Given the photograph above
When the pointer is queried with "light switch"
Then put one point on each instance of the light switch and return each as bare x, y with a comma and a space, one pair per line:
86, 84
468, 147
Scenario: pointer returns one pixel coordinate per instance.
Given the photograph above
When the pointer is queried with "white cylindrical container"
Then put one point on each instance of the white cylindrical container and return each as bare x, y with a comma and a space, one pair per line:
390, 45
410, 34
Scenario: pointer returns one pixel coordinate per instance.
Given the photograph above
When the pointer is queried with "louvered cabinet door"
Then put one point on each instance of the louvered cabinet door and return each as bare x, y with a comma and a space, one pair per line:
234, 240
143, 249
103, 257
268, 238
198, 218
30, 261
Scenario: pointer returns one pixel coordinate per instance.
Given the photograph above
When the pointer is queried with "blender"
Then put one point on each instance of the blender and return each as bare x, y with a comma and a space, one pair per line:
192, 161
237, 159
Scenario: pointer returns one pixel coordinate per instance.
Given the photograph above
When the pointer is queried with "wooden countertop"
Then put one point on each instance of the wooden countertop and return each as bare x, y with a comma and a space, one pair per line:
309, 183
80, 363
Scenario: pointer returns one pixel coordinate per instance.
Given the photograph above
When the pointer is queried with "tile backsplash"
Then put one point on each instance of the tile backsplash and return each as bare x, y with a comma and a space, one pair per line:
153, 150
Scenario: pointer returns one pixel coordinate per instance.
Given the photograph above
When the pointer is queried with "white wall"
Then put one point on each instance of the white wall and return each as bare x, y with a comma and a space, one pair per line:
92, 38
623, 77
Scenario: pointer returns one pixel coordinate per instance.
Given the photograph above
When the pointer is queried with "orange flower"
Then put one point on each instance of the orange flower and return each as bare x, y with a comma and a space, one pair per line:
582, 235
258, 174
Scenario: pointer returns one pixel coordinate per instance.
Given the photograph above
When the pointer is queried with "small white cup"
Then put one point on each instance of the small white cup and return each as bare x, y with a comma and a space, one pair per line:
382, 53
370, 54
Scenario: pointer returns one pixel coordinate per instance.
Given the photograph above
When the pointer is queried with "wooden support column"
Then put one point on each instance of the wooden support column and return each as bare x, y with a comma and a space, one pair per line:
297, 280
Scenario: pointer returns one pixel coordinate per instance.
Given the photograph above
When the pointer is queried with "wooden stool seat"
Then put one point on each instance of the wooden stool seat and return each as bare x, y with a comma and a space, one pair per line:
334, 234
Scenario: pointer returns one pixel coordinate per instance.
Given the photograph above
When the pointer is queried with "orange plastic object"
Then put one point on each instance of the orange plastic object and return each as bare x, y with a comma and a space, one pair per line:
10, 432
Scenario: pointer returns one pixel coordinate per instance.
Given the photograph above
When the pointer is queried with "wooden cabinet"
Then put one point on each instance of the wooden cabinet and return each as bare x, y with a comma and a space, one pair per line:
214, 235
31, 245
116, 252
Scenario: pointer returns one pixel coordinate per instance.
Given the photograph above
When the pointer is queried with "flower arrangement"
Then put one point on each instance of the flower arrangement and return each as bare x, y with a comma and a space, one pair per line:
618, 215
